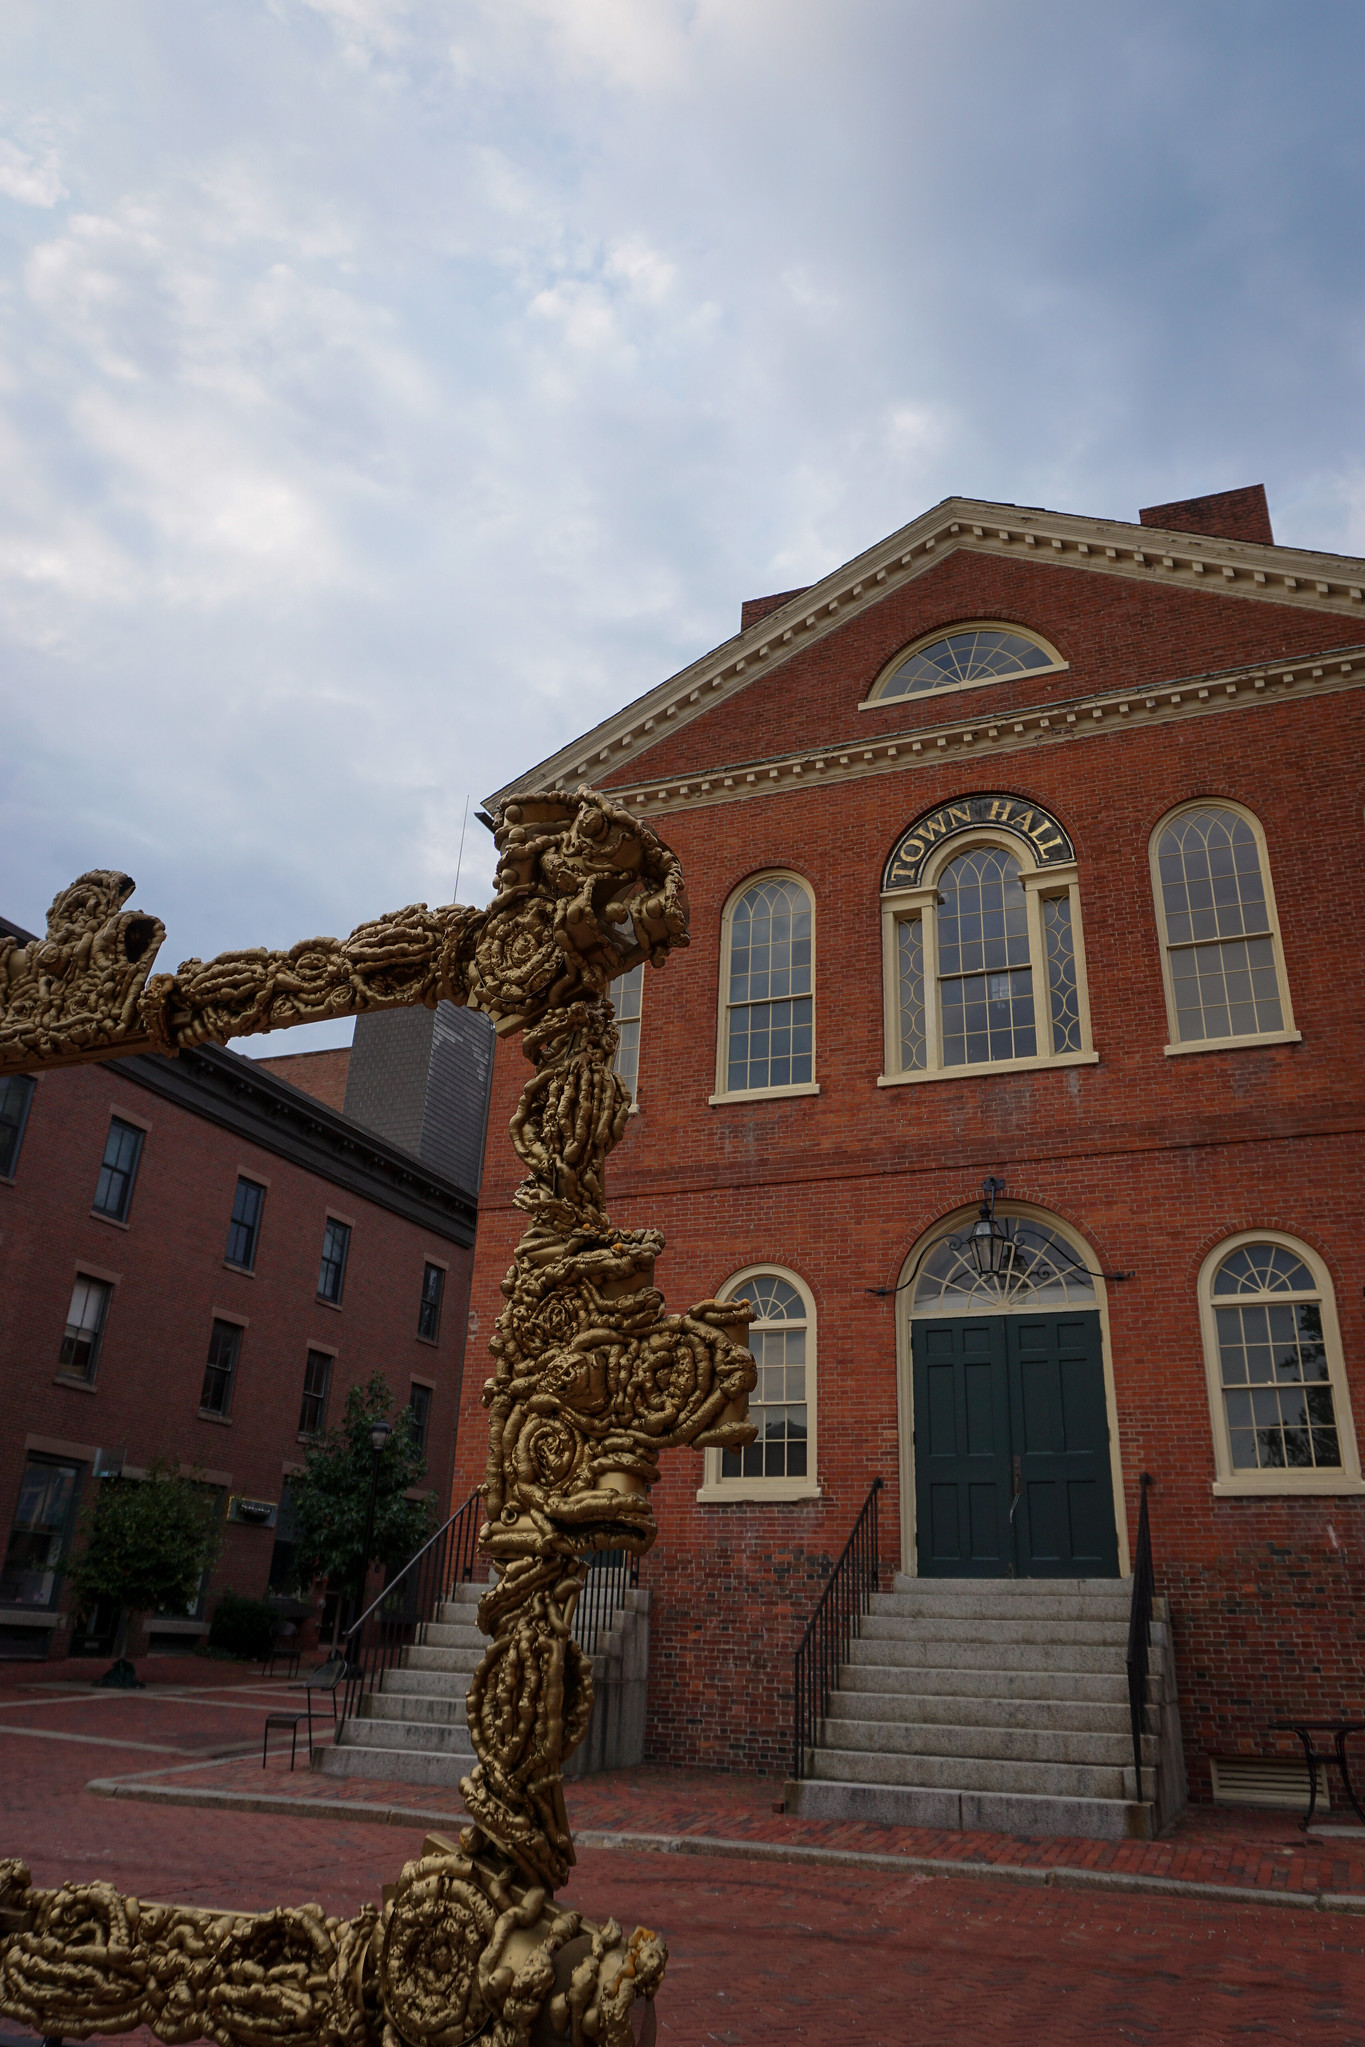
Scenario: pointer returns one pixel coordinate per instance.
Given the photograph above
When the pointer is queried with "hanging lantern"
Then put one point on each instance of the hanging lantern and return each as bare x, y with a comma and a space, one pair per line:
991, 1245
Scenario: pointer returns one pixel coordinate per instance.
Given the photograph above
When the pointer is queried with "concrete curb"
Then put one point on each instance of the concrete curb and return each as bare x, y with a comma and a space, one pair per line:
1057, 1876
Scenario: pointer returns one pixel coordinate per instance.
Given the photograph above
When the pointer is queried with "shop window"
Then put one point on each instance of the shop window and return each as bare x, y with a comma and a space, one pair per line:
1222, 961
244, 1229
767, 1028
419, 1406
627, 995
317, 1379
429, 1308
984, 966
41, 1534
220, 1369
1277, 1384
114, 1188
780, 1463
963, 659
336, 1246
16, 1097
80, 1347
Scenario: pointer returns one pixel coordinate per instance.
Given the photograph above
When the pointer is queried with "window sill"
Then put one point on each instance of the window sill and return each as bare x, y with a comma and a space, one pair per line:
222, 1421
1252, 1039
77, 1385
765, 1094
242, 1271
30, 1617
758, 1492
97, 1215
953, 689
322, 1302
431, 1342
1281, 1485
994, 1066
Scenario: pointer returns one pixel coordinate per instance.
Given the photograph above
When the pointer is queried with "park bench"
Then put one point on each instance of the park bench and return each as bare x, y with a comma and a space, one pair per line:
325, 1678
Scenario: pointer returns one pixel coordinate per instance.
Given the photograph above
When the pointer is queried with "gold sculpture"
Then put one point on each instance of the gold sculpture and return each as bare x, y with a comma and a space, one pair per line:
592, 1380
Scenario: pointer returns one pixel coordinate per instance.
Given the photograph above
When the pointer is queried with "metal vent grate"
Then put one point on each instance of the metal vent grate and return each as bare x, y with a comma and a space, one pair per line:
1265, 1780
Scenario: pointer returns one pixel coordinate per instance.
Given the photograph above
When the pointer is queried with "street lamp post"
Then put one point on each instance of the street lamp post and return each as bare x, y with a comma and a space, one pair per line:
380, 1431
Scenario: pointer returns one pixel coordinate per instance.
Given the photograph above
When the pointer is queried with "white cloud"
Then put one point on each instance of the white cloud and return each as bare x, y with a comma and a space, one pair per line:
33, 180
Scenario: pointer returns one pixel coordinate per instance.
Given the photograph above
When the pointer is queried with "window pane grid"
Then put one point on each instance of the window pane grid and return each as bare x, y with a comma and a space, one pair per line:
777, 1406
332, 1270
1278, 1396
42, 1519
1227, 990
771, 1016
16, 1093
910, 964
628, 998
216, 1394
244, 1227
985, 980
977, 656
317, 1374
419, 1406
80, 1347
429, 1312
114, 1188
1222, 954
1063, 995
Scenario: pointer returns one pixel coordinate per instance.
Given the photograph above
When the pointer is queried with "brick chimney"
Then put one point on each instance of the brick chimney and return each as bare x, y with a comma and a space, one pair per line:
755, 608
1226, 515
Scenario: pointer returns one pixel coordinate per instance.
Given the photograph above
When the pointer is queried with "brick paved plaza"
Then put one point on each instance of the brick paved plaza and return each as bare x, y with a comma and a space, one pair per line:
766, 1951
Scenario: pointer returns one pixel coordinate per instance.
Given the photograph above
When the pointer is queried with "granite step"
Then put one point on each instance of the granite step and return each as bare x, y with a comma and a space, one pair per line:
1045, 1686
987, 1812
948, 1709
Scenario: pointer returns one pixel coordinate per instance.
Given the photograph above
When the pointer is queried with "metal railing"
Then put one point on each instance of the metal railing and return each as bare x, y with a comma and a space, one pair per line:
392, 1622
832, 1626
611, 1574
1140, 1630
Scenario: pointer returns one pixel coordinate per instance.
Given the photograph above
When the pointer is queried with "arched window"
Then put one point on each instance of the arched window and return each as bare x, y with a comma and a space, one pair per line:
962, 659
780, 1462
767, 1021
1220, 942
983, 964
1041, 1271
1277, 1384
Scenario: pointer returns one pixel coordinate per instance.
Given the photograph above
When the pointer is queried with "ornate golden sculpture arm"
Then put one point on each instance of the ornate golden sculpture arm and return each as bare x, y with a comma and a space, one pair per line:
592, 1381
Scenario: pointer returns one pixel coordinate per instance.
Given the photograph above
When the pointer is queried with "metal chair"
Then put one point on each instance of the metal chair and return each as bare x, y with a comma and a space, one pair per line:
325, 1678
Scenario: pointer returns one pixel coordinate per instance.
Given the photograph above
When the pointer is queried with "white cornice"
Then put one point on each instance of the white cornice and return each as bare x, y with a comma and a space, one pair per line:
1248, 569
1096, 715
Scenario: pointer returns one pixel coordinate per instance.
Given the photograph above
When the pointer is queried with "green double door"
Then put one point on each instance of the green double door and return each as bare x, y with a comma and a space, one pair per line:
1011, 1449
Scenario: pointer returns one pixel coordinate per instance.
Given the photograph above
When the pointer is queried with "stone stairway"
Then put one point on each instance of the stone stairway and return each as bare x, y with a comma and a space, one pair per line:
998, 1705
413, 1728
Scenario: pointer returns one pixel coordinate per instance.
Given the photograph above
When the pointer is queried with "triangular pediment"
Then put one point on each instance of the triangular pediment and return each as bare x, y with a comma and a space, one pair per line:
1253, 571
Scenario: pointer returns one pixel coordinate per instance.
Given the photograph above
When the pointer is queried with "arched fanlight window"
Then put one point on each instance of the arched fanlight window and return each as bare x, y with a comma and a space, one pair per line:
766, 1039
967, 656
780, 1462
1040, 1270
1222, 961
1277, 1385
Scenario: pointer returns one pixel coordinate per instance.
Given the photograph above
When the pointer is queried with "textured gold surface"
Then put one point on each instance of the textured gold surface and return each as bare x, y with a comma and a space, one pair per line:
592, 1380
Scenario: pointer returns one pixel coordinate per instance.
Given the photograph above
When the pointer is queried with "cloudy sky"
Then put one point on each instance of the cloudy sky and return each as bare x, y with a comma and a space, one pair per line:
391, 388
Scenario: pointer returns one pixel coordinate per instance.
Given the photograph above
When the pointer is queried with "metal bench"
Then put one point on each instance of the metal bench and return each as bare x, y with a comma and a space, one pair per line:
325, 1678
1339, 1730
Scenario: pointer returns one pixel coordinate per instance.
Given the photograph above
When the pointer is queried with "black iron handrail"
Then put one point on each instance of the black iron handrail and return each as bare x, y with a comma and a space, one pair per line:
611, 1574
831, 1628
1140, 1631
411, 1598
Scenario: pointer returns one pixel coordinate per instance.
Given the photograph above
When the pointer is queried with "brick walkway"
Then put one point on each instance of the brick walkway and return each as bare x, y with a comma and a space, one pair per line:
764, 1954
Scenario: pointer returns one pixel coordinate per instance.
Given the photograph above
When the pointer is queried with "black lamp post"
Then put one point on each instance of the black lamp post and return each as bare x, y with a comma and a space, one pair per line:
992, 1246
380, 1431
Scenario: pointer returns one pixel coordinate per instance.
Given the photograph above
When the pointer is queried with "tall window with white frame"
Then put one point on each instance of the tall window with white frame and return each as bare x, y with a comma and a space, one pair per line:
984, 967
1277, 1366
79, 1355
1224, 970
780, 1406
627, 996
769, 1011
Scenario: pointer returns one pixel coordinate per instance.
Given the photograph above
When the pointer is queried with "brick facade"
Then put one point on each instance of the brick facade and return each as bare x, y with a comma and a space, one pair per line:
1151, 1160
209, 1118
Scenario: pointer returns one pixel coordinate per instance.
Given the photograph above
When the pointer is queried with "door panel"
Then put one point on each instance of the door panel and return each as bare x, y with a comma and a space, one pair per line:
962, 1454
997, 1388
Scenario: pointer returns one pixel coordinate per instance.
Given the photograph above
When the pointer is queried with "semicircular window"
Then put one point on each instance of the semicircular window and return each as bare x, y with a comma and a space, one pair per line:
980, 654
1040, 1271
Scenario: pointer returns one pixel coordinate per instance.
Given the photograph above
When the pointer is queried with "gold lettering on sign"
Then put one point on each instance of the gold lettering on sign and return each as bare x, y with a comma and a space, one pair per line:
1028, 821
1001, 806
959, 813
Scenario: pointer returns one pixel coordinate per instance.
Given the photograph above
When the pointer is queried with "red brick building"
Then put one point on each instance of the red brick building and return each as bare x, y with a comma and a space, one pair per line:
198, 1259
1023, 847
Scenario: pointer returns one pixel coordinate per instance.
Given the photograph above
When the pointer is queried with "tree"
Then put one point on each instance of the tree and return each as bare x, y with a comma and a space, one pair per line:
331, 1495
147, 1543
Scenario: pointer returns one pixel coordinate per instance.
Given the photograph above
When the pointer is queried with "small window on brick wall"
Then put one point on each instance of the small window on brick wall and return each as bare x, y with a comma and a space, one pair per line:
118, 1170
244, 1230
780, 1463
80, 1349
336, 1246
429, 1310
16, 1096
220, 1369
419, 1405
1278, 1397
317, 1378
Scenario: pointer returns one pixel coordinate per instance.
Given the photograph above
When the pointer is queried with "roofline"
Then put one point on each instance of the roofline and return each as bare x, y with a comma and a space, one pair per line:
1246, 568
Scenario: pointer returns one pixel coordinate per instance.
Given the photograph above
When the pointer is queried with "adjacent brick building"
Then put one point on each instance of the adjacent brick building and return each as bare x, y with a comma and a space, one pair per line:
198, 1259
1025, 847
